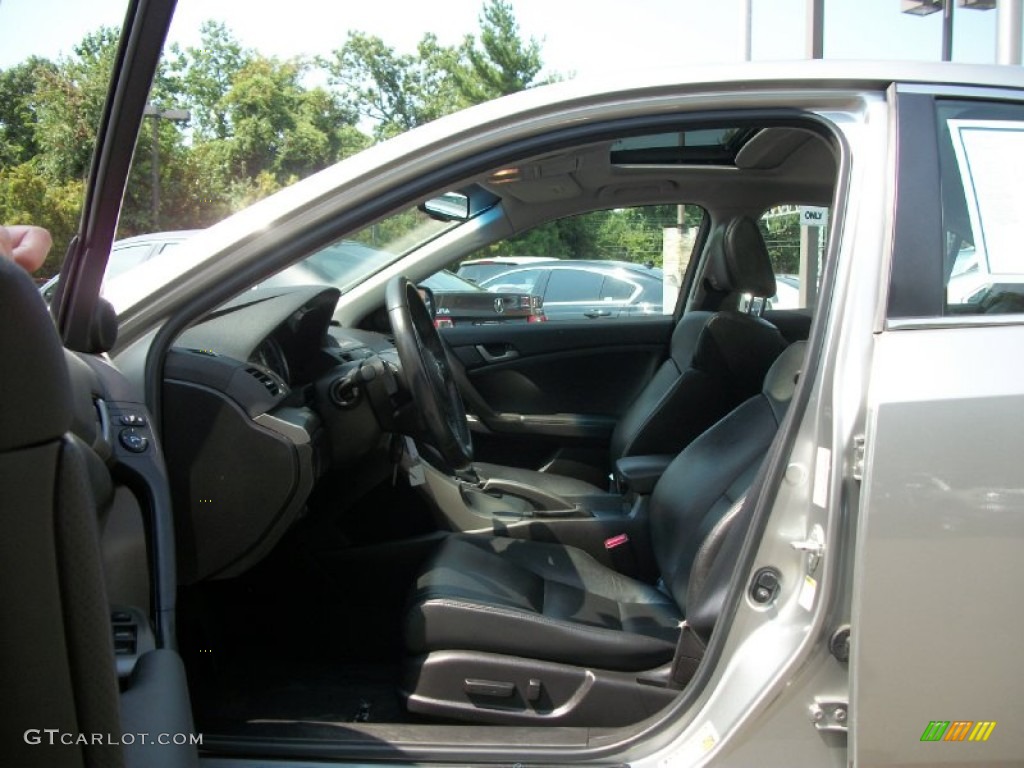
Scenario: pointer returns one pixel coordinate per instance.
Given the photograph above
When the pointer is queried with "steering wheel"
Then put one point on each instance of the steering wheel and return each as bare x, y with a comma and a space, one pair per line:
428, 375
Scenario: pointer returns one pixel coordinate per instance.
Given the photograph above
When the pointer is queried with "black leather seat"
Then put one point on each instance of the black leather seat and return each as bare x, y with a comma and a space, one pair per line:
57, 665
510, 612
715, 361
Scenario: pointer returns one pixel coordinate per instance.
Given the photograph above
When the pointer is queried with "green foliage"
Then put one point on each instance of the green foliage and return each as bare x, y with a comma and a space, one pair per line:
27, 196
620, 234
18, 116
202, 76
501, 62
399, 91
781, 230
69, 103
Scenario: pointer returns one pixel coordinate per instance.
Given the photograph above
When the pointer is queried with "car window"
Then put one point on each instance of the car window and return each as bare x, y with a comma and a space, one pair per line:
980, 151
573, 285
635, 257
516, 280
795, 236
614, 289
124, 258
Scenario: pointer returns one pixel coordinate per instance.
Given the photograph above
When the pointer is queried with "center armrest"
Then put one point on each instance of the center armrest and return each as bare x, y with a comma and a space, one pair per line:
639, 474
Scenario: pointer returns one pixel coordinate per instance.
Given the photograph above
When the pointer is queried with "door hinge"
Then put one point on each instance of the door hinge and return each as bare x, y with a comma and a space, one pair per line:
830, 714
858, 458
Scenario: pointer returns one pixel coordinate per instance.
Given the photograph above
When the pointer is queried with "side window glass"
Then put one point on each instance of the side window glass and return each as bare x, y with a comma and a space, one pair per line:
614, 289
573, 285
517, 280
981, 151
583, 263
123, 259
796, 237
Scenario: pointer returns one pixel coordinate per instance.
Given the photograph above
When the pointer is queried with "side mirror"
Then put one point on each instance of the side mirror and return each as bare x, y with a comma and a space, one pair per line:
451, 206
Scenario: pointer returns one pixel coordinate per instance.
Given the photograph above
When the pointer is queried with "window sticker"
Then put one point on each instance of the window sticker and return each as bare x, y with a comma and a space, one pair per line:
990, 156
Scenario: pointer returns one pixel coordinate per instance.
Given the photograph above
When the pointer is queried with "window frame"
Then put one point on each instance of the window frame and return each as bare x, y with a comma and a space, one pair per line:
917, 285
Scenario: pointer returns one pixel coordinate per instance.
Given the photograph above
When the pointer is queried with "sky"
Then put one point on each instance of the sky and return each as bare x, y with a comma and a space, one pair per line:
588, 38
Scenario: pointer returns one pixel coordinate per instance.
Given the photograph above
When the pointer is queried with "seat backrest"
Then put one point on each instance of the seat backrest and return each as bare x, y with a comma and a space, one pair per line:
716, 359
57, 666
704, 481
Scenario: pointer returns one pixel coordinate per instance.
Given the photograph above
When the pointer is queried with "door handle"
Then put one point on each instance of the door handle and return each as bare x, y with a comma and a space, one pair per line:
508, 352
597, 313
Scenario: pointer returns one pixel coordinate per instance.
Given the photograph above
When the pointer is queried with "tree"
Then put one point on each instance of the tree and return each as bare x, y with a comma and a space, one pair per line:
502, 62
397, 92
280, 127
203, 76
18, 109
27, 196
69, 104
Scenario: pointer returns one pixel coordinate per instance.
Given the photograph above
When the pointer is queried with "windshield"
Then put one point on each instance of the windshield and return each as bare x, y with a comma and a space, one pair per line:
350, 261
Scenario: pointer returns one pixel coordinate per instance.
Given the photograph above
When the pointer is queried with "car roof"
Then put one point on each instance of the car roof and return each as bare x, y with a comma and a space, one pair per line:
159, 237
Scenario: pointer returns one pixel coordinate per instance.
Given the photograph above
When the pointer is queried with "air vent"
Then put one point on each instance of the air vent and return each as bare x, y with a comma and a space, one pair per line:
266, 380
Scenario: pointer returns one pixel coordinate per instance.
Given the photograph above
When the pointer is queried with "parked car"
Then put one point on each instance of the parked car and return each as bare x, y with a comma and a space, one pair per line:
128, 253
266, 508
578, 289
458, 302
478, 270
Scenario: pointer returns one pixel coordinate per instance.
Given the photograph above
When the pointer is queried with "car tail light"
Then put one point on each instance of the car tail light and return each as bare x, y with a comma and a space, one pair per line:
443, 322
541, 318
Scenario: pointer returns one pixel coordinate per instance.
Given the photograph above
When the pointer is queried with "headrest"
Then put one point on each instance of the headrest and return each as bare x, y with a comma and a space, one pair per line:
739, 260
35, 390
780, 381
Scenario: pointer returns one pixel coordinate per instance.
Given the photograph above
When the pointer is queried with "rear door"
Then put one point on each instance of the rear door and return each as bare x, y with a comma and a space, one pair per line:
937, 672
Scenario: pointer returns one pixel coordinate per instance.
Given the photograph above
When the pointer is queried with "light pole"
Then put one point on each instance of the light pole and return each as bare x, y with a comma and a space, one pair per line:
928, 7
157, 114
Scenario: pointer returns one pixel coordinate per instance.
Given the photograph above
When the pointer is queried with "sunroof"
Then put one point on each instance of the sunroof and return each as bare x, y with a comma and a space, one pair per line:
704, 146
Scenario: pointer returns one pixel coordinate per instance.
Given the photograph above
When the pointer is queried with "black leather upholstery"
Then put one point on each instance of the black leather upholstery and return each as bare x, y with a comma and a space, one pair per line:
715, 361
553, 602
33, 351
559, 485
739, 261
539, 600
57, 664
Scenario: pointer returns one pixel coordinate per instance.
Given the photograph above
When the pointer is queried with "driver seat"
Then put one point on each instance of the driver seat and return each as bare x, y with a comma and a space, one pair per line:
715, 361
521, 631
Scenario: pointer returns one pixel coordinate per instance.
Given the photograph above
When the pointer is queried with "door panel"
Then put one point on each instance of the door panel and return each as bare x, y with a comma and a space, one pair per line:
936, 620
554, 391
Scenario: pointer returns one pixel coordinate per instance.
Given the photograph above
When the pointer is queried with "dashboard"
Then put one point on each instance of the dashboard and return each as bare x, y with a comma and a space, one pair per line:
262, 400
